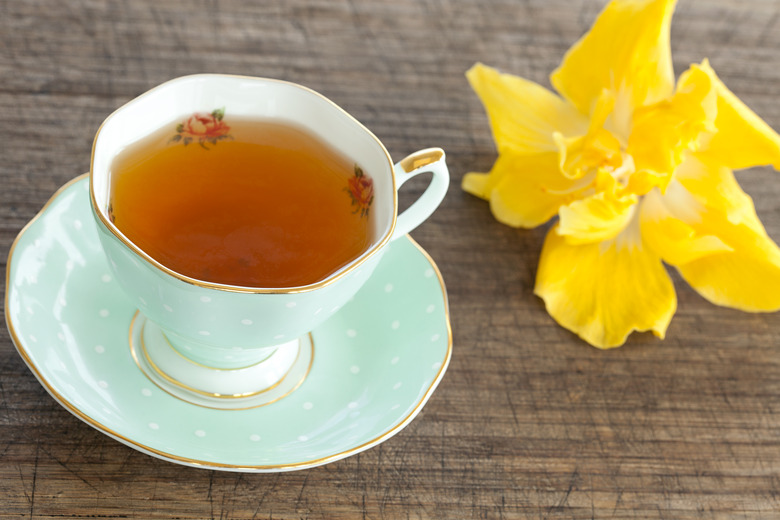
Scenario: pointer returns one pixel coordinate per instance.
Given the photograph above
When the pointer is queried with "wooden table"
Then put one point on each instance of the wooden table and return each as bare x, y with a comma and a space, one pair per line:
529, 422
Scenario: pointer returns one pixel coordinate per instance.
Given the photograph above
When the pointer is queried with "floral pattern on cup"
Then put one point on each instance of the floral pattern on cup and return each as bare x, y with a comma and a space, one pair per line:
361, 190
203, 128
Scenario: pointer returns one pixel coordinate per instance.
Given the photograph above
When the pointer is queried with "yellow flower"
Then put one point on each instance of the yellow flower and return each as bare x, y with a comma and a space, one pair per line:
638, 171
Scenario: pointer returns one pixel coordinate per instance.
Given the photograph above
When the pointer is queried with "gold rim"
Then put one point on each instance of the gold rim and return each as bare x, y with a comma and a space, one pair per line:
237, 288
181, 385
138, 363
207, 464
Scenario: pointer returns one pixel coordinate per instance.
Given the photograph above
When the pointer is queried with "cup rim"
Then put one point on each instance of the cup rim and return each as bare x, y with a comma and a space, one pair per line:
329, 280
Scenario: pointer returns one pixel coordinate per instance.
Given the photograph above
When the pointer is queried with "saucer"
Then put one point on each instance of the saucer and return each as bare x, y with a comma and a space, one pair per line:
375, 362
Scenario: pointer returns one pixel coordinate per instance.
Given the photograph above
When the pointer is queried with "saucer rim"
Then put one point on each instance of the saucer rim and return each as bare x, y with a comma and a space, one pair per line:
204, 464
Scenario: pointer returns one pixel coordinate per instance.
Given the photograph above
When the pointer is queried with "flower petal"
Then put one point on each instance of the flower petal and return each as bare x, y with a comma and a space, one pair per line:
523, 114
626, 51
743, 139
583, 154
675, 241
746, 274
604, 291
579, 156
662, 133
598, 217
523, 190
736, 280
708, 184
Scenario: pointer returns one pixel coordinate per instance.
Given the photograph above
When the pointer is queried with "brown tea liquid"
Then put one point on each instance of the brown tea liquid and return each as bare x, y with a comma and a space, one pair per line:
241, 202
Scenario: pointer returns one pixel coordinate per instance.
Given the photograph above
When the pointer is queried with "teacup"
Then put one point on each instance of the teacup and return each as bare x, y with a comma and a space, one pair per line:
234, 346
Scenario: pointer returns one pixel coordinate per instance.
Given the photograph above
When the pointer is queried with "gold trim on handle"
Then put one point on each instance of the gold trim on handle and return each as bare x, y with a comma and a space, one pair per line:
422, 158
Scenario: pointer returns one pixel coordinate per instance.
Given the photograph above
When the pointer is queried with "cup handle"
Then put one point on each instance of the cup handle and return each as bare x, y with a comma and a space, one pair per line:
428, 160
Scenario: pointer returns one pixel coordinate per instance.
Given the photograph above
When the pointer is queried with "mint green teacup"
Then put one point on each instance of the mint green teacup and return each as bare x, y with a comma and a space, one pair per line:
230, 346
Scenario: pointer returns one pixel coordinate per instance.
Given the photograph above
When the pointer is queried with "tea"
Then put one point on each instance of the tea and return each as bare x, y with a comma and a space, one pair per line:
249, 203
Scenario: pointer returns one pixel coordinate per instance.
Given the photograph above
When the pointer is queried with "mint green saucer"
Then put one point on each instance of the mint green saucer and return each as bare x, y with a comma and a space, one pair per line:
376, 361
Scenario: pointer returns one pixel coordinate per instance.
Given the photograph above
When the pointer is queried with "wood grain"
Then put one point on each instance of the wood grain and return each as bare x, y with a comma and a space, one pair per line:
529, 422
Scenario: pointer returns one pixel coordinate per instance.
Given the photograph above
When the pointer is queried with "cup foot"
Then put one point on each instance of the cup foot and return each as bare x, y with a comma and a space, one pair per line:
258, 384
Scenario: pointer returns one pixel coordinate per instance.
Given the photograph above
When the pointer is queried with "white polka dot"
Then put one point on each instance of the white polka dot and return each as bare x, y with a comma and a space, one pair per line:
318, 311
102, 384
204, 333
395, 360
389, 287
61, 336
436, 366
428, 272
307, 405
69, 265
77, 224
354, 369
33, 338
351, 333
395, 407
142, 300
334, 309
200, 433
303, 438
430, 308
352, 405
395, 324
205, 299
100, 349
103, 313
254, 437
30, 310
246, 321
167, 307
106, 278
435, 337
279, 336
146, 392
290, 305
63, 302
397, 385
154, 426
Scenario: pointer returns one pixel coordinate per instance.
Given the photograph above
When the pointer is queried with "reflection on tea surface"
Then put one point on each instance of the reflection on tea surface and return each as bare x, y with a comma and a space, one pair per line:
245, 202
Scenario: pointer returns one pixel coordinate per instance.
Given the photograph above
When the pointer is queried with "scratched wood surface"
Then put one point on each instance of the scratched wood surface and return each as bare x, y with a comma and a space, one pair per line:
529, 422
